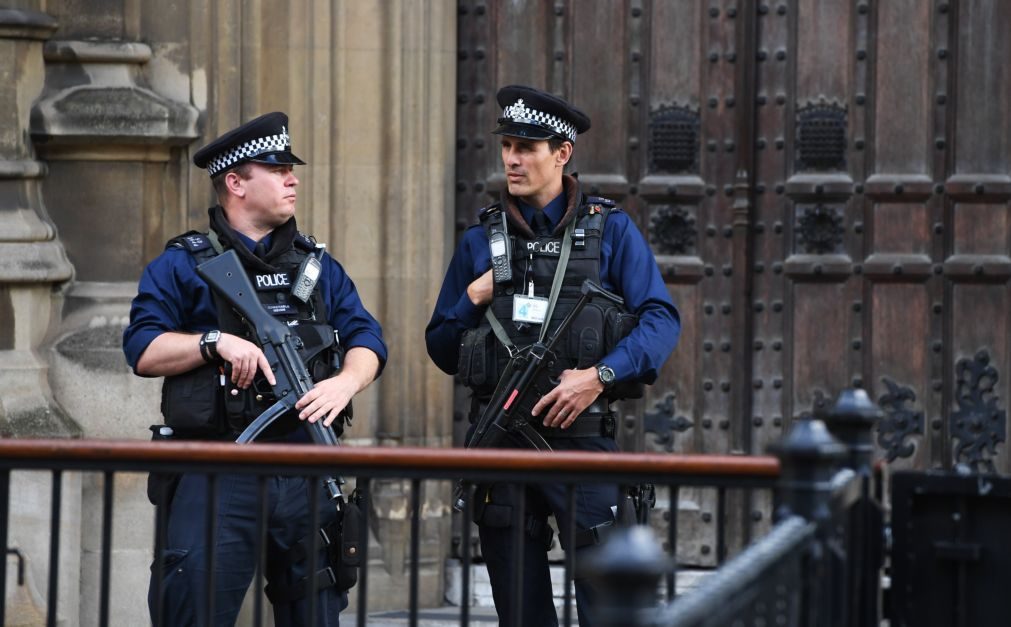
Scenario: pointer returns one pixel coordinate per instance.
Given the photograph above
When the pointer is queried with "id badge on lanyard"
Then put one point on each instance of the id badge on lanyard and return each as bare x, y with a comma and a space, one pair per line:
529, 308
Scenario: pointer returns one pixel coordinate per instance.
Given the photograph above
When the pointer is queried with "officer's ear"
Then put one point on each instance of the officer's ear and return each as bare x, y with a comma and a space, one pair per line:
235, 184
563, 154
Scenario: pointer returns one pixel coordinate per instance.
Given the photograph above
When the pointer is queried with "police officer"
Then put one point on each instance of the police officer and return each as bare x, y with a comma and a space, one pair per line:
483, 315
218, 380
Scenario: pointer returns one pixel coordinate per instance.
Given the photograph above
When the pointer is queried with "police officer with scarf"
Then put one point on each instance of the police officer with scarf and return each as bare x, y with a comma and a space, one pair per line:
543, 221
217, 379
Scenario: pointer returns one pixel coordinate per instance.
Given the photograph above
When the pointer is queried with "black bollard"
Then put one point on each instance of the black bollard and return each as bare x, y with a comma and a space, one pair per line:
809, 457
852, 420
626, 573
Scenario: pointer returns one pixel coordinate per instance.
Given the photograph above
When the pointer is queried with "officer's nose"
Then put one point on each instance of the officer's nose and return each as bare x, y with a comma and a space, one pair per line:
291, 180
510, 157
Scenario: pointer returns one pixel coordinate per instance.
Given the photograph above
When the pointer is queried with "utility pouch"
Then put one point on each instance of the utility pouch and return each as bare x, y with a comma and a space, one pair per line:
477, 362
619, 324
191, 403
161, 483
344, 551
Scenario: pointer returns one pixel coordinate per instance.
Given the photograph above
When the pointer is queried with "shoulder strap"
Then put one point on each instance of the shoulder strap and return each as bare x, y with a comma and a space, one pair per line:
215, 241
556, 284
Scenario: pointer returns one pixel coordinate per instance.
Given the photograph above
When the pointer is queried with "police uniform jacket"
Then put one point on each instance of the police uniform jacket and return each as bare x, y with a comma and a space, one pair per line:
172, 297
627, 267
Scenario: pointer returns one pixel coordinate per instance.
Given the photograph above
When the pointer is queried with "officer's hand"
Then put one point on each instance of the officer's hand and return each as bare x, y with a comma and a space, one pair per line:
245, 358
481, 289
576, 391
327, 399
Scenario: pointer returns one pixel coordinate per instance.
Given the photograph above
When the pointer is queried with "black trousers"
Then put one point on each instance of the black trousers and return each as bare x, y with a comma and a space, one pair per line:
494, 506
184, 566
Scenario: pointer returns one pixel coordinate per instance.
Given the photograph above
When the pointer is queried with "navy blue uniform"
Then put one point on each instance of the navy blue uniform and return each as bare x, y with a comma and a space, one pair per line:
172, 297
628, 268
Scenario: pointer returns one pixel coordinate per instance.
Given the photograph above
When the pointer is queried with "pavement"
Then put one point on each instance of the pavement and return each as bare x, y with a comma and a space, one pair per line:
448, 616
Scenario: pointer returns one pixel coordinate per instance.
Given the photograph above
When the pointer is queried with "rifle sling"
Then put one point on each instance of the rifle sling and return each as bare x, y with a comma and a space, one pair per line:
556, 284
556, 288
500, 332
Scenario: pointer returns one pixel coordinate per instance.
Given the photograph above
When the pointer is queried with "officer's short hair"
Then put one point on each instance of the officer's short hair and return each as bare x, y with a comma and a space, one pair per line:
218, 181
555, 143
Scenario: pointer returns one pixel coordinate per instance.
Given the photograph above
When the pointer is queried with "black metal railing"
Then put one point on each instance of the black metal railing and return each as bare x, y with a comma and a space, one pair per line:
819, 566
367, 465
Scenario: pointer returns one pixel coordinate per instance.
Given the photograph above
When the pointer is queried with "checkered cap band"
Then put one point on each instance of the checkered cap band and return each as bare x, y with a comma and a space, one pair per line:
520, 113
253, 148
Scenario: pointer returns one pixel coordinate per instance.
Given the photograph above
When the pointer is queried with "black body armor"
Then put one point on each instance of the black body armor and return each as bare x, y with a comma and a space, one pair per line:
203, 403
592, 335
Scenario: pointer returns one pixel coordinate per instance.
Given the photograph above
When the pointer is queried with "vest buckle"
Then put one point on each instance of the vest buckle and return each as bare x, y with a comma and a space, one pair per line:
579, 238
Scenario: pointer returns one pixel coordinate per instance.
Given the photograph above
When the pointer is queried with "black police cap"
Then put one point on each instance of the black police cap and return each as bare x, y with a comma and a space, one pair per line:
263, 140
533, 114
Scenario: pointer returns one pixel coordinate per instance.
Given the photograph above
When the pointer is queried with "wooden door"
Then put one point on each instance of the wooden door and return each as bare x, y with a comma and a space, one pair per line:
825, 185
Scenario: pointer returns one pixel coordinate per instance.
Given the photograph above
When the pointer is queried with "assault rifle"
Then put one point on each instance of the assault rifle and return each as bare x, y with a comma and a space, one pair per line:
224, 273
517, 392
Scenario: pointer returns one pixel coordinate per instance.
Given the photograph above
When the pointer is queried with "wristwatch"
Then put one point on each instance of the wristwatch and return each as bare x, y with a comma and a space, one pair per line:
209, 345
605, 375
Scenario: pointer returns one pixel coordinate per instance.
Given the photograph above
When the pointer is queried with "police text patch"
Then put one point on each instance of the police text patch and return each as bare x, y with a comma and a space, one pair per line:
275, 281
550, 247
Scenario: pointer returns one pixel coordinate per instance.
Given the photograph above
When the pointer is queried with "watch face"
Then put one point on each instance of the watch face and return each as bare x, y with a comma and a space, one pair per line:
606, 375
212, 336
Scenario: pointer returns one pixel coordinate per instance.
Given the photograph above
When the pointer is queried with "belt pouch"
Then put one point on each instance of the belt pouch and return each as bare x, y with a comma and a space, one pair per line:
476, 362
191, 402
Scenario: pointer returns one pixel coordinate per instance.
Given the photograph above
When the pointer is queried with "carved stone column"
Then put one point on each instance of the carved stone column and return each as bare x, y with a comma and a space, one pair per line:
113, 146
33, 266
32, 260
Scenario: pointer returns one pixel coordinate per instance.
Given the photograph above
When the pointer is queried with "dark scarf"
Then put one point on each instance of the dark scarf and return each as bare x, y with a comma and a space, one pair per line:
573, 198
280, 243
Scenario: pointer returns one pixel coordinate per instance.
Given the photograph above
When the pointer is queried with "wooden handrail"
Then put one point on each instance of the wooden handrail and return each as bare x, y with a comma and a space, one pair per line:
142, 453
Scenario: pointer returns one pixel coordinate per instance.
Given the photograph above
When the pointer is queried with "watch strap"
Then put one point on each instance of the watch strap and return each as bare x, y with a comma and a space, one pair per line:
601, 377
208, 350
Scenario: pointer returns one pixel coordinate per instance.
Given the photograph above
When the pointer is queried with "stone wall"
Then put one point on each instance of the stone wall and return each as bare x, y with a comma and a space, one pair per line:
103, 103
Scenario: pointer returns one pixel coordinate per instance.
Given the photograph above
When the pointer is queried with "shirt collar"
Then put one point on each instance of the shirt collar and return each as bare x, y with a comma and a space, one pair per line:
554, 210
251, 244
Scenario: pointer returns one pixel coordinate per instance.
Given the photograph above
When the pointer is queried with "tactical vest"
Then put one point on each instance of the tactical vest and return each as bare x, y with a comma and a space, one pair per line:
237, 408
592, 335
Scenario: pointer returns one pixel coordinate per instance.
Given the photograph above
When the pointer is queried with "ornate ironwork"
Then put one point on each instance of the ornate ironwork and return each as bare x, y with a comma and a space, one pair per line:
979, 424
821, 136
819, 407
820, 229
663, 423
673, 139
672, 230
899, 421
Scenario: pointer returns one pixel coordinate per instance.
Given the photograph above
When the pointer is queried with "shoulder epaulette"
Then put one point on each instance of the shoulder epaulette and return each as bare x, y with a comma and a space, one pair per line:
304, 241
599, 200
193, 241
489, 210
